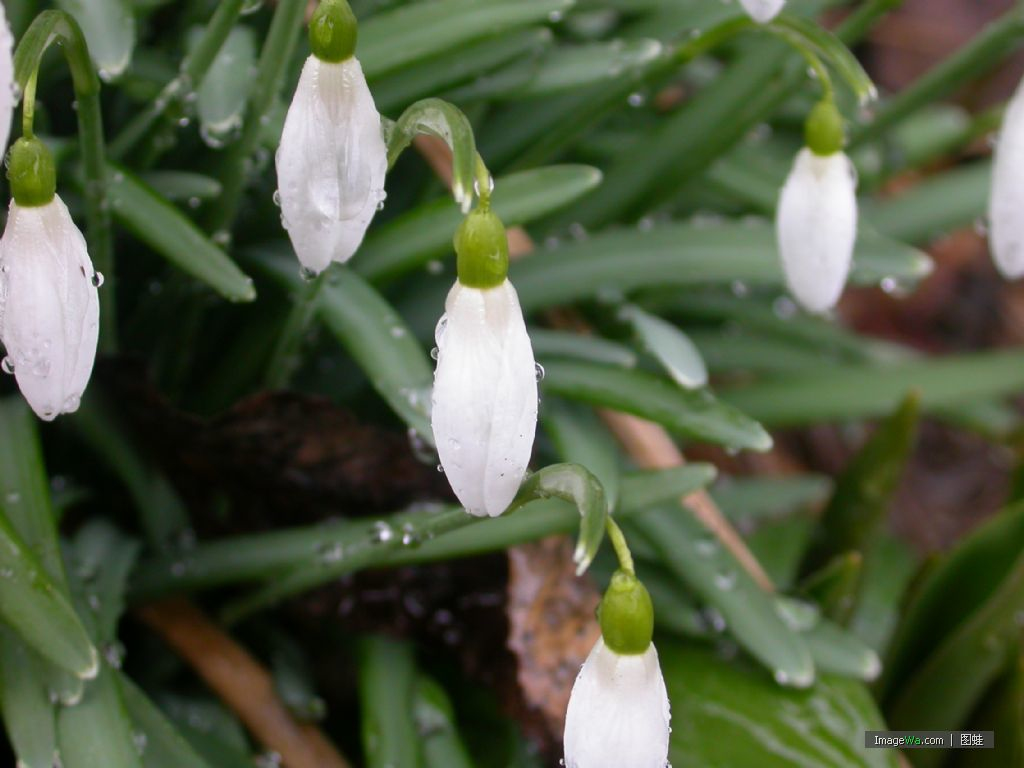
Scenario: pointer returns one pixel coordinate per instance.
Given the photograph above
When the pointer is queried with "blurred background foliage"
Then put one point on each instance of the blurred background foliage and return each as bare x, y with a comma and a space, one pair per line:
297, 500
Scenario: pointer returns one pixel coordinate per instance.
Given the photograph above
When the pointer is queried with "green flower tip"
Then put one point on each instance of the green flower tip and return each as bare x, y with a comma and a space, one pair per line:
333, 31
32, 174
481, 246
824, 132
626, 615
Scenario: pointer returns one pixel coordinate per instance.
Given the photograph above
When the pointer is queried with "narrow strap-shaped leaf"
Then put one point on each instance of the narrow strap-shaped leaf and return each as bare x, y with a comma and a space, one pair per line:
98, 730
38, 610
558, 344
695, 557
109, 27
581, 439
168, 232
671, 347
221, 99
687, 254
693, 414
30, 717
374, 334
435, 720
847, 392
164, 746
387, 685
410, 33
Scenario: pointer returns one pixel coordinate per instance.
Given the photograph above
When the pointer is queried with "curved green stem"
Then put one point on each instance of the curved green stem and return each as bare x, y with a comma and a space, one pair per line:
56, 26
285, 358
277, 51
814, 63
28, 106
193, 69
618, 540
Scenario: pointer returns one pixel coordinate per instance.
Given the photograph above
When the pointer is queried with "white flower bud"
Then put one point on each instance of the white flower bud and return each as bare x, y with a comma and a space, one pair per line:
1006, 224
618, 715
6, 80
816, 227
484, 412
763, 11
49, 307
331, 163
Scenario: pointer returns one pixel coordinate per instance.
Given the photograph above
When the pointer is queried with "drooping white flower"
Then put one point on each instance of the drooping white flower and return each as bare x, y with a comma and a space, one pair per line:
763, 11
618, 715
1006, 225
484, 404
331, 163
6, 79
49, 307
816, 225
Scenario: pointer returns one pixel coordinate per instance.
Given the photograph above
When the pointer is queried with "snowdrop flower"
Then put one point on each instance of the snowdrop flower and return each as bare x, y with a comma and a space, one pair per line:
1006, 227
618, 715
763, 11
49, 305
6, 79
816, 222
484, 404
332, 158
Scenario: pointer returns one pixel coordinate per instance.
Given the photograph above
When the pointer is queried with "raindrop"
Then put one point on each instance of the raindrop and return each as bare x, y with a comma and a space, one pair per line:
7, 365
725, 580
397, 332
330, 552
434, 353
435, 267
784, 308
13, 497
538, 370
383, 532
636, 99
194, 202
307, 274
706, 546
97, 279
277, 197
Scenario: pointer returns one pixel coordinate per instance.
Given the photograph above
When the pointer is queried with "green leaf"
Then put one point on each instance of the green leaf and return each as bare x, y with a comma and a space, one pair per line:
164, 229
693, 414
837, 651
848, 392
578, 486
29, 714
963, 617
935, 206
672, 348
594, 349
696, 558
434, 117
580, 438
864, 490
387, 687
567, 68
835, 586
724, 713
403, 86
109, 27
751, 500
100, 559
686, 254
181, 186
38, 610
374, 334
164, 746
412, 239
435, 720
411, 33
98, 731
889, 566
221, 98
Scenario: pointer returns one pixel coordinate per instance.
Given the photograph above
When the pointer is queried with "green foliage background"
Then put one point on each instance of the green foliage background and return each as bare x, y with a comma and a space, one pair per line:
653, 223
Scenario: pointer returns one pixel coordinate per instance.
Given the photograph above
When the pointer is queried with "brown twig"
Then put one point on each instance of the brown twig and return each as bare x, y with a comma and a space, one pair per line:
648, 444
241, 682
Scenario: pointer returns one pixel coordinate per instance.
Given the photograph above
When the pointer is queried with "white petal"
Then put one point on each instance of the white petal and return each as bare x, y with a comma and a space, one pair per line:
6, 80
331, 163
618, 715
763, 11
817, 228
49, 307
484, 412
1006, 223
